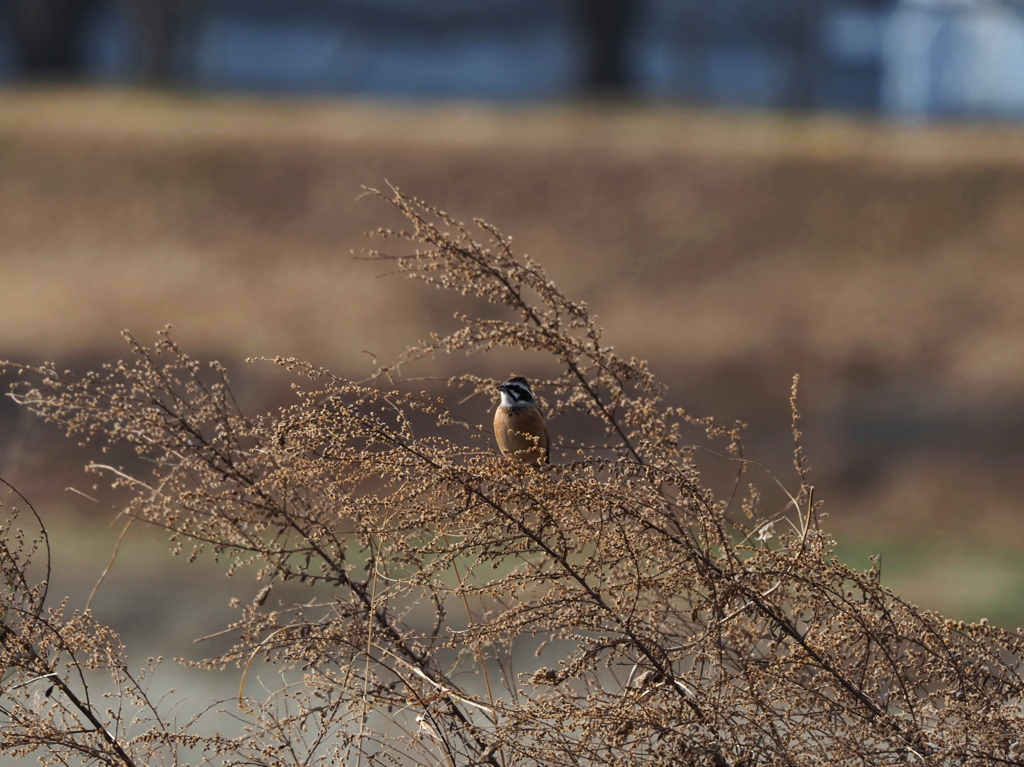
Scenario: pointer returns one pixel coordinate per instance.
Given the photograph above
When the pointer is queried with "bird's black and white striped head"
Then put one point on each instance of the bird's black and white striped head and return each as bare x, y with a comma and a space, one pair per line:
515, 392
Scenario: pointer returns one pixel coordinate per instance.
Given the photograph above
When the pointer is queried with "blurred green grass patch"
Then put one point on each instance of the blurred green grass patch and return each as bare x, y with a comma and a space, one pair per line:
961, 578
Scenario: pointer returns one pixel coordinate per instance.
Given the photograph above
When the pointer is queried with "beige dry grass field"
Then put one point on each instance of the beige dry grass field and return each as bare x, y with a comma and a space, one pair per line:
881, 262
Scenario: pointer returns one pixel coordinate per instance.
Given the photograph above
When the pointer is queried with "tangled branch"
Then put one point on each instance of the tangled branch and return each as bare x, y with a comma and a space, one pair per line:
464, 609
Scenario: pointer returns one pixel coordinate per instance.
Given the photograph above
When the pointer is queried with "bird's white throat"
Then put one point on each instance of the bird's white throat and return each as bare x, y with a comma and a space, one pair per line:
507, 400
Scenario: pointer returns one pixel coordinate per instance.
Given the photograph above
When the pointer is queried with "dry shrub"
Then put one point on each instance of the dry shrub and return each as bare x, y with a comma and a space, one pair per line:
465, 609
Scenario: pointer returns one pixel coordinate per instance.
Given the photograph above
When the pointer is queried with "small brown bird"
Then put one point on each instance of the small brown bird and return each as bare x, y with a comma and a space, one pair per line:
519, 425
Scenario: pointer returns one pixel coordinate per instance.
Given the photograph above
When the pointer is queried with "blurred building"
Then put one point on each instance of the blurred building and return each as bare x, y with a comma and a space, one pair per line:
910, 58
957, 59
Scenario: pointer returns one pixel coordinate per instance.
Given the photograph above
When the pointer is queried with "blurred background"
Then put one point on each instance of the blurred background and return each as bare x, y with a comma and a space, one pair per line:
905, 58
740, 190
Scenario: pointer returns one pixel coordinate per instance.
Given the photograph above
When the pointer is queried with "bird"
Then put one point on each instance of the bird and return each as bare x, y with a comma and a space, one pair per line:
519, 424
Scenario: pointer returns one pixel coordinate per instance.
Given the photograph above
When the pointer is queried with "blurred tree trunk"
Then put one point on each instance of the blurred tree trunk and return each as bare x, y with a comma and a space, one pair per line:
155, 20
606, 26
46, 32
160, 24
806, 44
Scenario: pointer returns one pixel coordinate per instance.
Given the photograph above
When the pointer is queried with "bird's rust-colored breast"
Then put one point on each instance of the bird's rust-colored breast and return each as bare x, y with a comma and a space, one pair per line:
521, 433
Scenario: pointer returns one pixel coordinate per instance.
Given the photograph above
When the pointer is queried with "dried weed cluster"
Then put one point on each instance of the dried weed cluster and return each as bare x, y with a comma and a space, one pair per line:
467, 610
